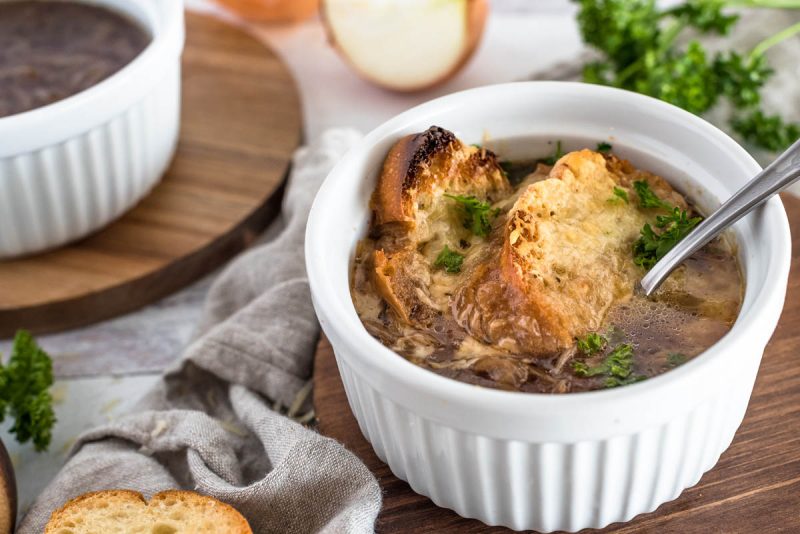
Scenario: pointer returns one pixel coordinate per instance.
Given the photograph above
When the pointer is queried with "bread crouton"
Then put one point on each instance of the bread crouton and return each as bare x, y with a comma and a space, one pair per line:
174, 512
565, 258
415, 216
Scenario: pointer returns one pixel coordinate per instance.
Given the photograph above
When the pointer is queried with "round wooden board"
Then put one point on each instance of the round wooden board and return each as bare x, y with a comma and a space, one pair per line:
240, 123
755, 487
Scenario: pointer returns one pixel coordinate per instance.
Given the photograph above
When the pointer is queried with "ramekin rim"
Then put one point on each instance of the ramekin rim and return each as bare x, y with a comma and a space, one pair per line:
383, 359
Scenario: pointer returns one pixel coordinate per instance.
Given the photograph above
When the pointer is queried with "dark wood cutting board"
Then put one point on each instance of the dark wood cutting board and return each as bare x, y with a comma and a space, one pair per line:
755, 487
240, 123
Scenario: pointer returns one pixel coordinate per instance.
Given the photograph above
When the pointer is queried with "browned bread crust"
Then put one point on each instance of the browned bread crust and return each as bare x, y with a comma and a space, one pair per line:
176, 511
565, 258
413, 219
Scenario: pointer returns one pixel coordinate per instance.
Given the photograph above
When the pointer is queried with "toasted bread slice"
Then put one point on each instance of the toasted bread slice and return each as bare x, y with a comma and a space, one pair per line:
168, 512
565, 258
413, 219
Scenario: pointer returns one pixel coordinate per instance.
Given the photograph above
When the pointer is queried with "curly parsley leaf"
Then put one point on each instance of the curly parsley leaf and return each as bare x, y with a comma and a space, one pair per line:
449, 260
604, 147
652, 246
617, 367
620, 195
592, 343
478, 215
24, 392
647, 198
768, 131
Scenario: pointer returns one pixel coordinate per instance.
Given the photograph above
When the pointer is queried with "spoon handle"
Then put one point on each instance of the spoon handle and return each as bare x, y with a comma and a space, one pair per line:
778, 175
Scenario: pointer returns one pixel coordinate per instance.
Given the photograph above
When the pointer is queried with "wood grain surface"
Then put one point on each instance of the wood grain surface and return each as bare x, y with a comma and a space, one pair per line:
240, 124
755, 487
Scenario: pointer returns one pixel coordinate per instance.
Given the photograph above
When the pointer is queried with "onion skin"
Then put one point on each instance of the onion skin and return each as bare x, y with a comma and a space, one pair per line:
477, 11
273, 10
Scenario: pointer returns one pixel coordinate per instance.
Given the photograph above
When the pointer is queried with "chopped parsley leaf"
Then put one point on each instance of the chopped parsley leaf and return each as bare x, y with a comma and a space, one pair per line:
477, 215
652, 246
592, 343
604, 147
648, 199
617, 367
620, 195
449, 260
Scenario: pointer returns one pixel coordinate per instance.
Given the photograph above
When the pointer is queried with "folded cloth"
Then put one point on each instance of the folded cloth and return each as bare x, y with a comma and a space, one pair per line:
208, 423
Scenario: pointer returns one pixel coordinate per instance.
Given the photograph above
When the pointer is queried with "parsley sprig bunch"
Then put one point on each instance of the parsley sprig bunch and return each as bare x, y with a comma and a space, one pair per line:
638, 41
24, 392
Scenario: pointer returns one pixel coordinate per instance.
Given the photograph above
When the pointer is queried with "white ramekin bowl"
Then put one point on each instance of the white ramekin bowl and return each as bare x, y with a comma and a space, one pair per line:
552, 462
73, 166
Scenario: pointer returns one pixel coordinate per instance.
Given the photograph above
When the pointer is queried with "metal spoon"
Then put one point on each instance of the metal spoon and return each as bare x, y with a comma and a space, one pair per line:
781, 173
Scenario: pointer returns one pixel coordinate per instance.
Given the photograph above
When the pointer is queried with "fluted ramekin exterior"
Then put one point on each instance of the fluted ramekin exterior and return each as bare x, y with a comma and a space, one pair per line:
70, 168
548, 485
65, 191
537, 461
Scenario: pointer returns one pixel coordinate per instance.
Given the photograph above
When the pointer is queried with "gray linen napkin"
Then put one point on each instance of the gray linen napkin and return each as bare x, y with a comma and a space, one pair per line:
208, 426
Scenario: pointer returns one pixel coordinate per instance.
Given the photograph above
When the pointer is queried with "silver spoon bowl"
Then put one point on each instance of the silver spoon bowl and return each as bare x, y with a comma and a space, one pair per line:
779, 175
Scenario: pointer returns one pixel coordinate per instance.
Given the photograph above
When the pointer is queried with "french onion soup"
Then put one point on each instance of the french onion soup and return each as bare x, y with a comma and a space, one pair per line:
521, 275
52, 50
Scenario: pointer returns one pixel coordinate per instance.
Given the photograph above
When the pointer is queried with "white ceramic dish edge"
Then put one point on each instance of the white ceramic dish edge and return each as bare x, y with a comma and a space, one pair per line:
71, 167
548, 462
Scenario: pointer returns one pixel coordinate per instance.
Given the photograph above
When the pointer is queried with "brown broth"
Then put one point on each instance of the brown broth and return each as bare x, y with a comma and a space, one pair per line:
52, 50
692, 311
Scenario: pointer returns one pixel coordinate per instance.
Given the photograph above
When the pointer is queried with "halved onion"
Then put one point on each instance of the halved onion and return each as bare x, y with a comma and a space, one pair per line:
405, 45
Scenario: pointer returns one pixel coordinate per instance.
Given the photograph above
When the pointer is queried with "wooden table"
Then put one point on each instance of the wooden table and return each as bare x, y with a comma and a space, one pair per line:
755, 487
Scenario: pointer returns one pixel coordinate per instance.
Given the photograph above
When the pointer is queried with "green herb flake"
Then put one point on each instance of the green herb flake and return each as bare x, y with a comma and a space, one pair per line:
24, 392
551, 160
449, 260
674, 359
592, 343
478, 215
652, 246
647, 198
604, 147
620, 196
617, 367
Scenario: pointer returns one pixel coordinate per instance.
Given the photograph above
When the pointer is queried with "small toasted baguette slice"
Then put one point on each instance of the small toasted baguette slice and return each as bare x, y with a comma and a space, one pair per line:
124, 511
413, 218
565, 258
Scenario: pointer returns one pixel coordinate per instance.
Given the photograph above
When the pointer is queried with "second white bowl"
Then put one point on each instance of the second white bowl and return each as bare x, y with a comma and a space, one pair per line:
552, 462
71, 167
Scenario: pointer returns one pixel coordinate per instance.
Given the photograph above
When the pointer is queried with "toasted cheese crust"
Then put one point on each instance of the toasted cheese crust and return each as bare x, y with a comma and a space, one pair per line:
413, 220
565, 259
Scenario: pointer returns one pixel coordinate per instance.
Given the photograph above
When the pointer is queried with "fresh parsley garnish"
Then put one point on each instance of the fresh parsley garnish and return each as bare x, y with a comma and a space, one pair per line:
604, 147
551, 160
592, 343
617, 367
449, 260
768, 131
24, 392
652, 246
477, 215
643, 48
620, 195
648, 199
